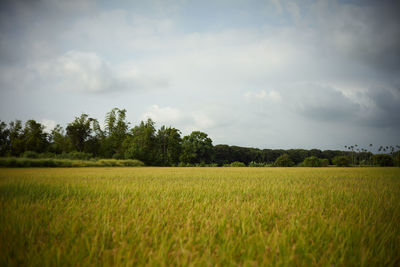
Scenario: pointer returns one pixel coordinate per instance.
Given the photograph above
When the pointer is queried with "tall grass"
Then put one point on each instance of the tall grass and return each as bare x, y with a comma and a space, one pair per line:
200, 216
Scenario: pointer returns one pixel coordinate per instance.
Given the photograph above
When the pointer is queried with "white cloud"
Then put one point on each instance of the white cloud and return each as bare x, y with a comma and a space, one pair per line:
164, 115
88, 72
83, 71
202, 121
187, 122
329, 65
272, 95
48, 125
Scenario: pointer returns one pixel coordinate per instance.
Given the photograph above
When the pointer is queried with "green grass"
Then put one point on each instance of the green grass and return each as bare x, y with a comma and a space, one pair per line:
200, 216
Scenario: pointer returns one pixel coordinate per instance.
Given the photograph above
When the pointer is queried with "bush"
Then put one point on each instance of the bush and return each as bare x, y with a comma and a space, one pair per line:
30, 155
183, 164
283, 161
26, 162
341, 161
324, 162
76, 155
237, 164
47, 155
117, 156
382, 160
315, 162
212, 165
257, 164
312, 161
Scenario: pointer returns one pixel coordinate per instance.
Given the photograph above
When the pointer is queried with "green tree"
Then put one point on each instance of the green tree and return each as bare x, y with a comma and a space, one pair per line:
382, 160
312, 162
93, 143
341, 161
116, 131
169, 144
60, 143
324, 162
283, 161
297, 155
223, 154
80, 133
396, 159
4, 139
35, 139
16, 138
197, 148
141, 144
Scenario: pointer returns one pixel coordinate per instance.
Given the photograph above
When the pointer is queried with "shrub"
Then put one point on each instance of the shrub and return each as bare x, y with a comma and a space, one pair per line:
183, 164
283, 161
9, 162
117, 156
257, 164
341, 161
30, 155
26, 162
315, 162
47, 155
237, 164
75, 155
212, 165
382, 160
324, 162
312, 161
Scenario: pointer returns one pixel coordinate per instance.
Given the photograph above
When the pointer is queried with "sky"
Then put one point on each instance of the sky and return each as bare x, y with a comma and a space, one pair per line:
267, 74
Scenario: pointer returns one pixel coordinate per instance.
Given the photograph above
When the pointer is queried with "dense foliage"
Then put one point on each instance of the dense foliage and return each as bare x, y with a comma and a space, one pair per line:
283, 161
382, 160
83, 139
315, 162
237, 164
341, 161
29, 162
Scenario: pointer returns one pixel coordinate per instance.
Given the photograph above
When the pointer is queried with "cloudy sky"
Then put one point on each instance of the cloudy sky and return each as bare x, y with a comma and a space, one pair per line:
267, 74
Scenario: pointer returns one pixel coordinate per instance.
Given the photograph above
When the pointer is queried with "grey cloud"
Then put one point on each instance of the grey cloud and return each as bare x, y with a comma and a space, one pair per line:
375, 107
30, 29
385, 111
369, 33
303, 66
321, 103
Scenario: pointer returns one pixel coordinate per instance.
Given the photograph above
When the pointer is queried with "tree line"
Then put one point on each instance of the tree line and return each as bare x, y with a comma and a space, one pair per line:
83, 138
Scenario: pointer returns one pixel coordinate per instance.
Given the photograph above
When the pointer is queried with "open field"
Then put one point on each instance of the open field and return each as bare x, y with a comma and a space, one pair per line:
200, 216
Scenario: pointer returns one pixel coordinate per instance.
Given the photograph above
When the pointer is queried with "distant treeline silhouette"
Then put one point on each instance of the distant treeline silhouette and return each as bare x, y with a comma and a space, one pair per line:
84, 139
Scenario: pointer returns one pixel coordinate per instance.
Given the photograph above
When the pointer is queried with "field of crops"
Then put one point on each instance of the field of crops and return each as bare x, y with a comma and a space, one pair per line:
200, 216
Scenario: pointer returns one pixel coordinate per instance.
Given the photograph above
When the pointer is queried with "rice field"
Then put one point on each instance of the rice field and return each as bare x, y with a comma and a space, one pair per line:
200, 216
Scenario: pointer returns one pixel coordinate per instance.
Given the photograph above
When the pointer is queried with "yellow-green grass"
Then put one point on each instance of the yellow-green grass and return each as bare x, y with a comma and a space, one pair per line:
200, 216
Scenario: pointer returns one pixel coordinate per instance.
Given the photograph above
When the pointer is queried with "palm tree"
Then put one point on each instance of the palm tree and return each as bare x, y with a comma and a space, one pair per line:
352, 154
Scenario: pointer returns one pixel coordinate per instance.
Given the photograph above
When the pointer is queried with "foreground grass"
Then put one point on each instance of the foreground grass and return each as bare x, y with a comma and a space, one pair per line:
200, 216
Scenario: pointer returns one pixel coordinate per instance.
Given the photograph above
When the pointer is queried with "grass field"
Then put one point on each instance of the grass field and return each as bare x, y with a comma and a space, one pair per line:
200, 216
